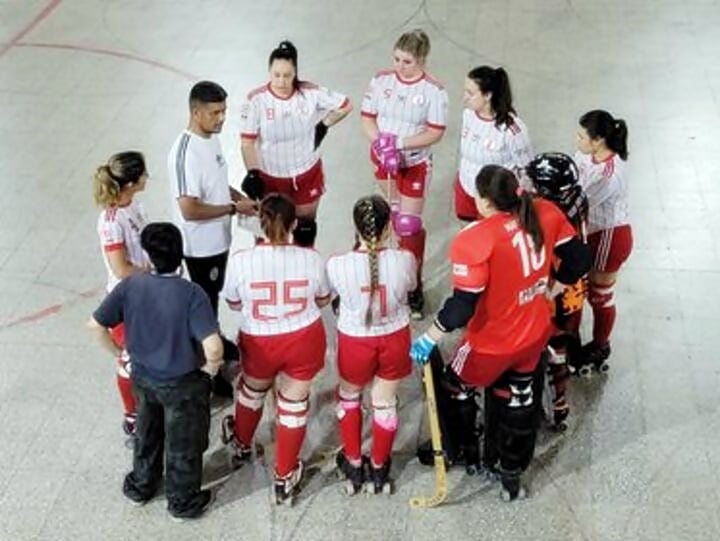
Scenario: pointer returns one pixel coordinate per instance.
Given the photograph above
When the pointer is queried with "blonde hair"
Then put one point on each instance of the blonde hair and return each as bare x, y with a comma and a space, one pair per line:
371, 216
121, 170
416, 42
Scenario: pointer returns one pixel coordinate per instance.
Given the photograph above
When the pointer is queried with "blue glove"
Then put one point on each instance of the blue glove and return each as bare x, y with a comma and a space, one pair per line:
421, 349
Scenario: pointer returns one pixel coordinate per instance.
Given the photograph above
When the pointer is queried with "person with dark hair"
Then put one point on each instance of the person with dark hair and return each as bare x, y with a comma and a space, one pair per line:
119, 225
278, 289
203, 200
601, 156
404, 113
173, 342
283, 124
372, 282
491, 134
501, 266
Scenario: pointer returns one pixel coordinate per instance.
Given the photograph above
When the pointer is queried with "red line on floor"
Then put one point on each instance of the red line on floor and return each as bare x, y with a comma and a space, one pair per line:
40, 17
48, 311
113, 53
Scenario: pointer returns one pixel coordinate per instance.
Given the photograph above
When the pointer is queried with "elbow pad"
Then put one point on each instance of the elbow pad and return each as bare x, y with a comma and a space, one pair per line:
575, 261
457, 310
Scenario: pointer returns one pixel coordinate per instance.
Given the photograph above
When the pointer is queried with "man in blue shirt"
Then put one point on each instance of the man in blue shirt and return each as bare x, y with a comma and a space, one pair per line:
173, 341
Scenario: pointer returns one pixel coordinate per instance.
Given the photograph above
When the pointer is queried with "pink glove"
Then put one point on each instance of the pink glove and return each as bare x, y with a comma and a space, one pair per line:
385, 149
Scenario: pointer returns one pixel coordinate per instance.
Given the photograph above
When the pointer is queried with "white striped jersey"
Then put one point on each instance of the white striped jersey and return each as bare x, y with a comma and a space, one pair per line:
285, 127
606, 188
406, 108
349, 276
274, 288
197, 168
120, 227
483, 143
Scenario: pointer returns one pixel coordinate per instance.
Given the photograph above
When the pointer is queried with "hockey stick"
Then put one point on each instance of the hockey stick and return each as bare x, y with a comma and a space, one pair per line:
440, 472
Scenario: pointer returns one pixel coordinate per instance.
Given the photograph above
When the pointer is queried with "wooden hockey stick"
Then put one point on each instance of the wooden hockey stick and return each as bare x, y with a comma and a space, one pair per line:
439, 457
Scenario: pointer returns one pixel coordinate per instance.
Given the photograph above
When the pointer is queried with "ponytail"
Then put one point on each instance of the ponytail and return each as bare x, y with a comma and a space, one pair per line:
497, 83
277, 215
500, 186
600, 124
121, 170
371, 216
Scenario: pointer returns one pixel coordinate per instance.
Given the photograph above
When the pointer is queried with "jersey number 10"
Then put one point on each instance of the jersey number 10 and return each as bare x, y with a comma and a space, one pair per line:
531, 260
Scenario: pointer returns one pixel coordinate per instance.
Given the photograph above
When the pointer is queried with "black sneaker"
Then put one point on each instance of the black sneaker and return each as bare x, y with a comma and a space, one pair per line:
136, 497
204, 499
416, 301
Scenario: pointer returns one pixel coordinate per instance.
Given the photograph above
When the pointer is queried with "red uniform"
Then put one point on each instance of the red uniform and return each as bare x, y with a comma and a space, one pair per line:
511, 324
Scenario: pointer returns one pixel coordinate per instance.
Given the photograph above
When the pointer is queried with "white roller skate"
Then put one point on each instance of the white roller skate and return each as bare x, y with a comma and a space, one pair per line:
286, 488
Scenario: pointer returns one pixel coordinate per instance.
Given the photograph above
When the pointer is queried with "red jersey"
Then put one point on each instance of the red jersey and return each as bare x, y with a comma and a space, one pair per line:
497, 257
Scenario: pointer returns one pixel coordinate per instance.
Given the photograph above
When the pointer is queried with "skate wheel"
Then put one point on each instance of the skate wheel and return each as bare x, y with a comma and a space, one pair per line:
561, 427
585, 371
387, 489
471, 469
350, 489
604, 368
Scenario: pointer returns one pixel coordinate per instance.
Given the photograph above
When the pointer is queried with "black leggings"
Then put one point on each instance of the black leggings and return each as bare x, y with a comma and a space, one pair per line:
209, 274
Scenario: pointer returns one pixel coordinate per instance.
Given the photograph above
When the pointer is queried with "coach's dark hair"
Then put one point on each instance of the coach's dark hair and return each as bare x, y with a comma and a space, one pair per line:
600, 124
207, 92
371, 215
164, 246
500, 186
121, 170
277, 216
495, 81
287, 51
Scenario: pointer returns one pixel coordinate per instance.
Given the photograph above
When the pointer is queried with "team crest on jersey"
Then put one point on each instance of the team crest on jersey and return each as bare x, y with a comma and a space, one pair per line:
220, 160
418, 99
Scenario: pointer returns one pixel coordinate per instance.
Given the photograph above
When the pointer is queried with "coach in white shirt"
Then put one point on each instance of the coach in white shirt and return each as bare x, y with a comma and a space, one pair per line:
204, 199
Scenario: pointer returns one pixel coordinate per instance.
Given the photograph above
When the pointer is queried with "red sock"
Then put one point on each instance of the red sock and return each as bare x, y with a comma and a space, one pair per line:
290, 424
124, 385
384, 428
602, 300
248, 411
349, 416
415, 244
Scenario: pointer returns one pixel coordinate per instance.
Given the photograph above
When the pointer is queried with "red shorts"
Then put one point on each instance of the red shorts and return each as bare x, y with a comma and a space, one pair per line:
465, 208
302, 189
299, 354
410, 181
611, 248
360, 358
478, 370
117, 333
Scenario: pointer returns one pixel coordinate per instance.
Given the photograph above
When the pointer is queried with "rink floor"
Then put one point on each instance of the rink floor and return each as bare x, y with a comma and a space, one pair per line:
82, 79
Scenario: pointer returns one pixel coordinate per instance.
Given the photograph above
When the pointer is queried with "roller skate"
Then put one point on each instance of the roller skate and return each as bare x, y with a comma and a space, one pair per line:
129, 425
511, 489
596, 356
287, 487
240, 454
379, 481
416, 301
560, 411
353, 475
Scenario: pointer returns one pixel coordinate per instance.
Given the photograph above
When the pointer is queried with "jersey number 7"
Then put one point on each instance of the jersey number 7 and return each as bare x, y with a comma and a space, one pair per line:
381, 296
290, 298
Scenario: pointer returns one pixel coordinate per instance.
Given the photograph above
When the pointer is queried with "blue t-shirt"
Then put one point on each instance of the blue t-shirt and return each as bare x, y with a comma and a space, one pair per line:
166, 318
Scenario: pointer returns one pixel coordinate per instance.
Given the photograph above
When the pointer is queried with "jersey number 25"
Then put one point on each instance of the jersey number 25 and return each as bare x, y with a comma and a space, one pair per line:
296, 299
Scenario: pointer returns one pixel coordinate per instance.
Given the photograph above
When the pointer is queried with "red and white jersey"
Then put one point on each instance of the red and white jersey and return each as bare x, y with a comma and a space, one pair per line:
285, 127
275, 287
606, 188
349, 276
118, 228
483, 143
406, 108
496, 257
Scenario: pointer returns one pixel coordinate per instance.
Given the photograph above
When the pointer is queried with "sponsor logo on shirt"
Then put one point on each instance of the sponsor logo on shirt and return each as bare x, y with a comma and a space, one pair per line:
220, 160
459, 269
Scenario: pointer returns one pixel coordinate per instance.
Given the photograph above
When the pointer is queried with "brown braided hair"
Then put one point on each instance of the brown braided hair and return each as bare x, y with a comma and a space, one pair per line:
371, 215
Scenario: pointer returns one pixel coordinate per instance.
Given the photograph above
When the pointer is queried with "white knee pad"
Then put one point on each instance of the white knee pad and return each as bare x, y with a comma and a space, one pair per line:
249, 397
346, 402
385, 414
292, 413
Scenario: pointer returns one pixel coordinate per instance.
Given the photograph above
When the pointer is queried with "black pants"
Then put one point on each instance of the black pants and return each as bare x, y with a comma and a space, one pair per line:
173, 418
209, 274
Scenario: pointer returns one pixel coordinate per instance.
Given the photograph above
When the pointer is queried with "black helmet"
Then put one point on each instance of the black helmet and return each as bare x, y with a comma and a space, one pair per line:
555, 177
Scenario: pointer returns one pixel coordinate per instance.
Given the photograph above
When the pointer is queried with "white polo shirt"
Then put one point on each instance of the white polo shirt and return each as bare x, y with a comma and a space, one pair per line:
197, 168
